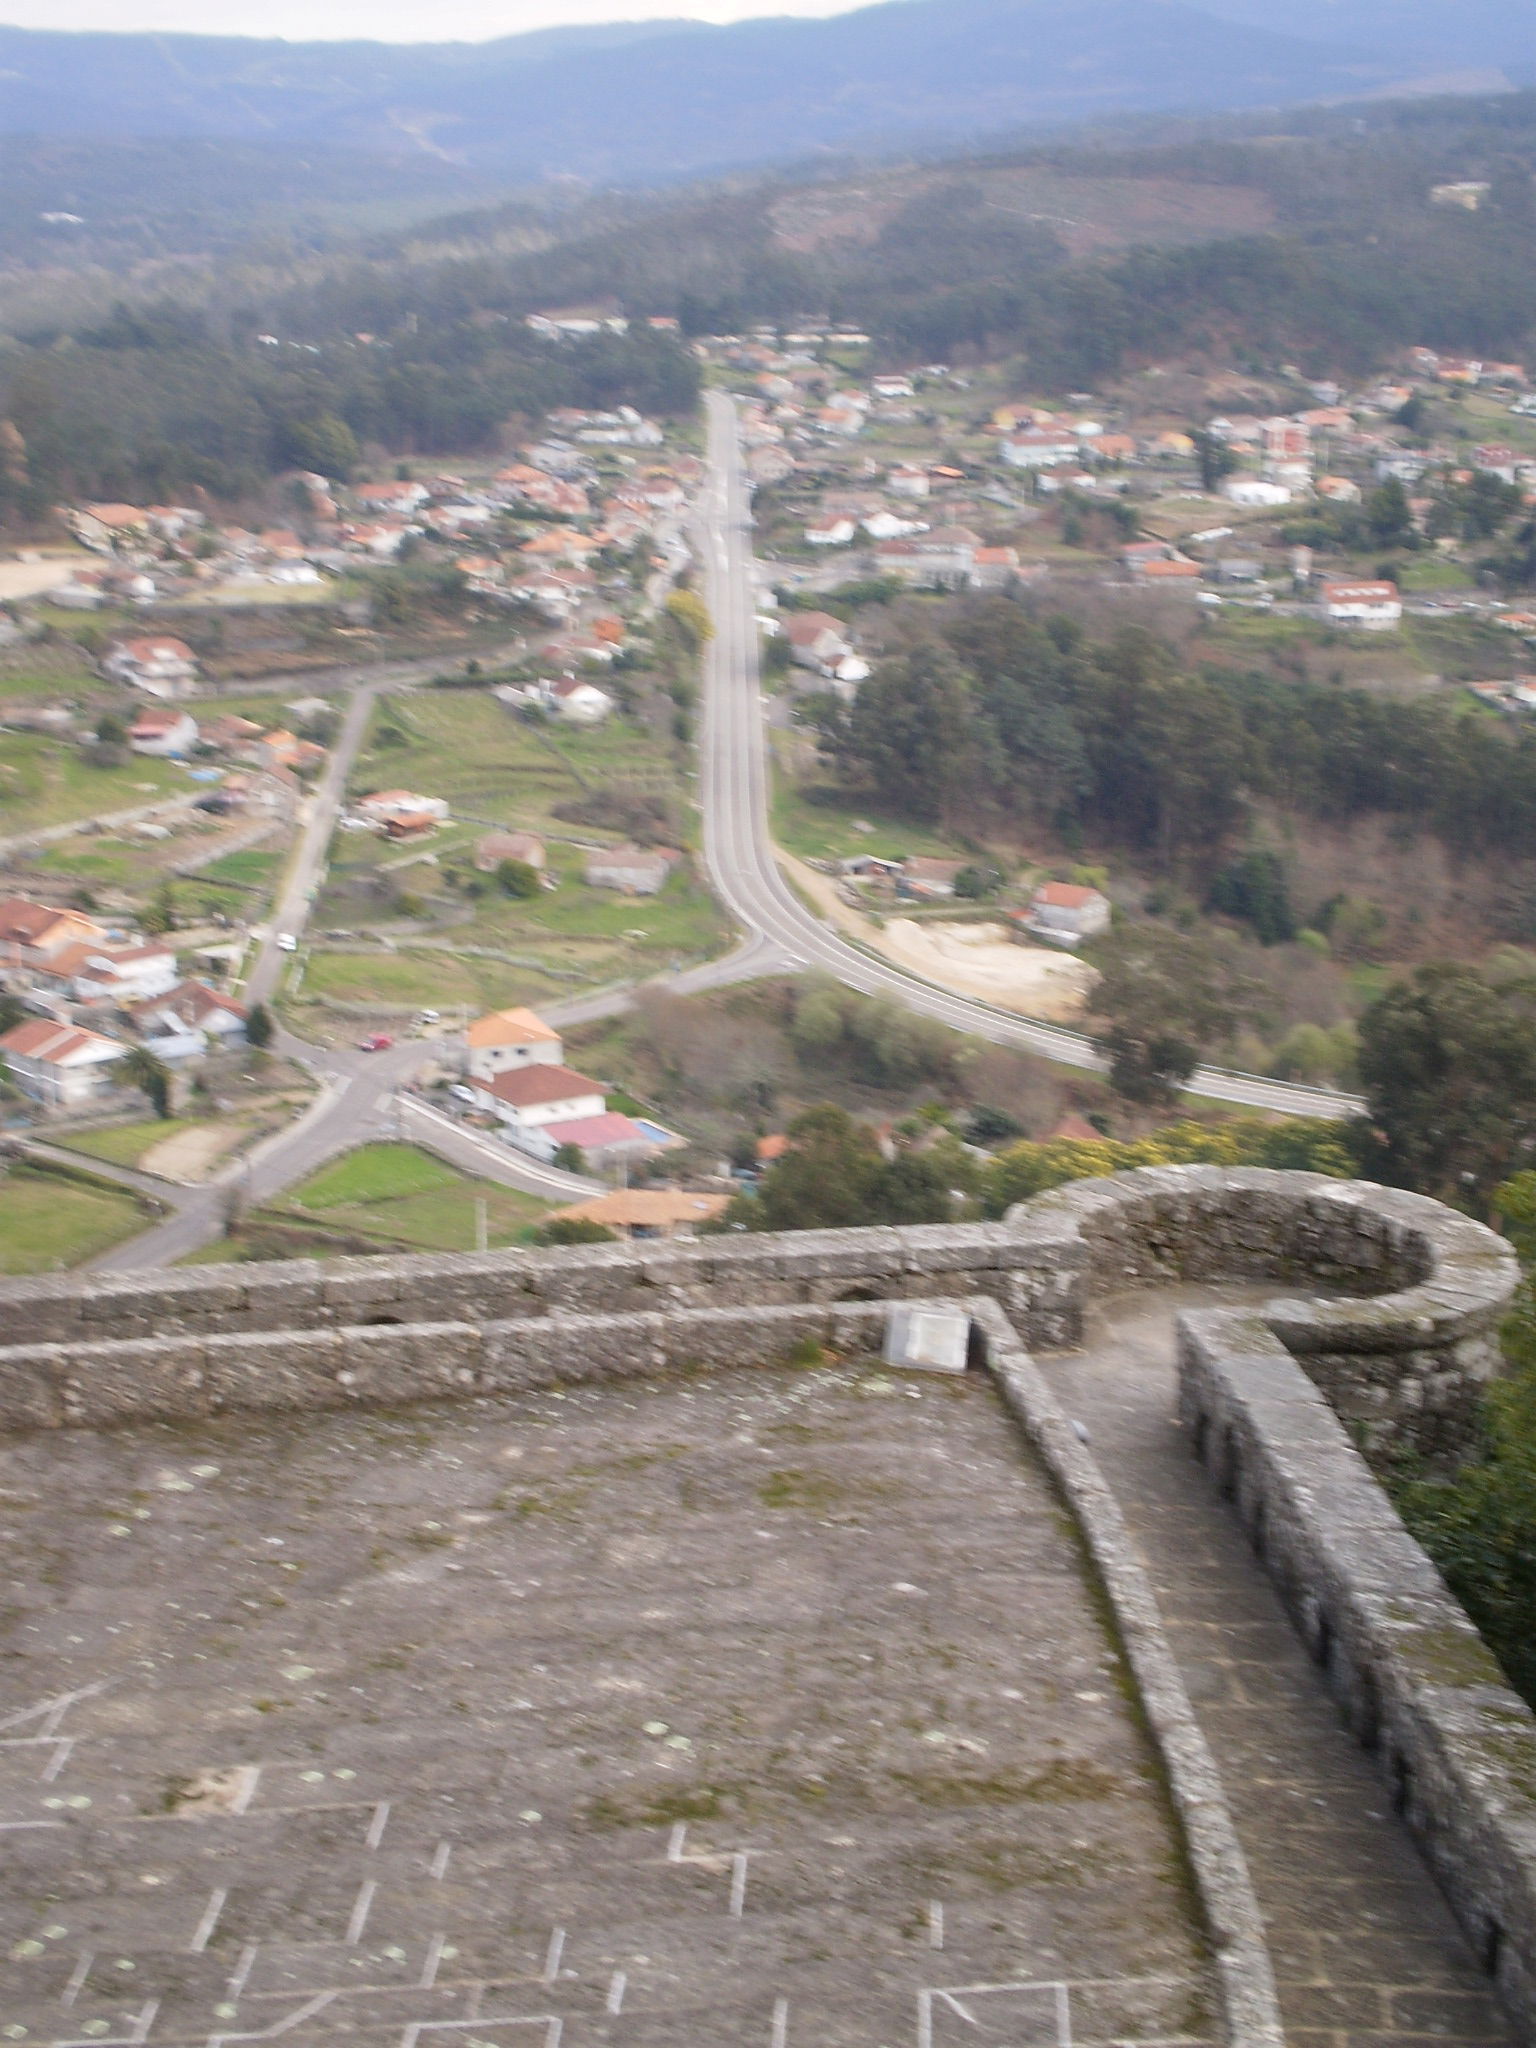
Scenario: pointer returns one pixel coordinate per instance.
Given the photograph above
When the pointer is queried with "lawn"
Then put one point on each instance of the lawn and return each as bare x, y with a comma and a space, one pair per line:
420, 978
49, 782
493, 769
817, 832
255, 868
401, 1195
465, 746
47, 1223
126, 1144
375, 1173
60, 685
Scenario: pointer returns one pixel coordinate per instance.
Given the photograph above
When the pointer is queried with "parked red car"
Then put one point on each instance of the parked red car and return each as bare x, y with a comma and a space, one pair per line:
378, 1041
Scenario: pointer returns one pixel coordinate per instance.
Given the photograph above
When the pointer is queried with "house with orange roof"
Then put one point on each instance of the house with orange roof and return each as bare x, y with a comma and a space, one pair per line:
155, 663
32, 934
647, 1212
60, 1066
505, 1040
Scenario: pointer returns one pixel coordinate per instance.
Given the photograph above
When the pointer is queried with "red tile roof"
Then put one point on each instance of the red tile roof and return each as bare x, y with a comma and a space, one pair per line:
528, 1087
42, 1038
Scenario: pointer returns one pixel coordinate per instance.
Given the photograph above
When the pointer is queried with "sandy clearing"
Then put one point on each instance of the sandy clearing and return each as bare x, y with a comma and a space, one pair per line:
983, 960
190, 1156
29, 579
971, 959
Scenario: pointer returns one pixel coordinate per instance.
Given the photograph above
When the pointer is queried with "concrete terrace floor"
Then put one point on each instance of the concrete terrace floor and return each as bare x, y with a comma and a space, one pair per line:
1366, 1953
763, 1708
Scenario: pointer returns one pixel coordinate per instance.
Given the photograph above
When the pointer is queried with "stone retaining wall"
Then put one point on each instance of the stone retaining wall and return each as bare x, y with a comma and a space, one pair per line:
1412, 1676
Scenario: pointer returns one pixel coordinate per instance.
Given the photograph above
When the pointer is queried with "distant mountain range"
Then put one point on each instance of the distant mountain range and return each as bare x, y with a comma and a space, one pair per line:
640, 102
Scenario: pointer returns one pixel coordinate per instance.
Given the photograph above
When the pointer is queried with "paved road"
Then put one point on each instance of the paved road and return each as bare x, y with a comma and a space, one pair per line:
740, 853
359, 1099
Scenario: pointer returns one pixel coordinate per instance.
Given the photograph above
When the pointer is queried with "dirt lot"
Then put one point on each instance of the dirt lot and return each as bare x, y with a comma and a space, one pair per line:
758, 1708
982, 960
972, 959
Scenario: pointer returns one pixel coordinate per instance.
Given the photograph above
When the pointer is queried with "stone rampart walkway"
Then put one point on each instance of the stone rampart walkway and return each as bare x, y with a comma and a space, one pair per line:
1366, 1953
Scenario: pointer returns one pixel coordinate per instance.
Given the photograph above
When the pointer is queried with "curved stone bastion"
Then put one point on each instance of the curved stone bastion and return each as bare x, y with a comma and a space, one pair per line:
1383, 1331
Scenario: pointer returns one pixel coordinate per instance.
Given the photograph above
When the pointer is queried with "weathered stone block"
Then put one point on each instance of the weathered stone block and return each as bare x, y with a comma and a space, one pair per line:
158, 1380
277, 1369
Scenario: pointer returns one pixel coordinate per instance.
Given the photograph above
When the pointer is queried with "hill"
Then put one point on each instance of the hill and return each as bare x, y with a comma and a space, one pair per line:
664, 100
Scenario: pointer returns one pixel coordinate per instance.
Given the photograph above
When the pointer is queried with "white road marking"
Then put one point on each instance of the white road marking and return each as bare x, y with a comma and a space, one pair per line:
615, 2000
204, 1932
362, 1905
429, 1968
243, 1969
306, 2011
779, 2032
553, 1954
738, 1885
377, 1825
438, 1867
76, 1984
935, 1924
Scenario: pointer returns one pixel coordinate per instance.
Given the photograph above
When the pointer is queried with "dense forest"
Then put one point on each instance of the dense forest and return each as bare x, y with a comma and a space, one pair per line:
980, 707
149, 405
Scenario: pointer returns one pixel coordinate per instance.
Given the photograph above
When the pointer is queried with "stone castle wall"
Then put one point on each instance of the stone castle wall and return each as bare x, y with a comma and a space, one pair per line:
1398, 1346
1406, 1359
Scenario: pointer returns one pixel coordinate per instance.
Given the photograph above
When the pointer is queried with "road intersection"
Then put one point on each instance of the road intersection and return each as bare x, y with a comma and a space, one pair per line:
363, 1095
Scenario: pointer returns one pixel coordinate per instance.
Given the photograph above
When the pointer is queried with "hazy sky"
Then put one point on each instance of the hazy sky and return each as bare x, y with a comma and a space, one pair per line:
396, 21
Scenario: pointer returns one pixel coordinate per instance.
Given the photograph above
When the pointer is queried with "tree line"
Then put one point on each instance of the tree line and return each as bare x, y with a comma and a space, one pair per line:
981, 709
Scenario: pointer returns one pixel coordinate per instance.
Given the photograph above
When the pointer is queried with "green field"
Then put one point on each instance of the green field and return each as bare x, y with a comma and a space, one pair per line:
257, 867
401, 1195
49, 782
48, 1223
494, 770
425, 979
817, 832
126, 1144
59, 685
465, 746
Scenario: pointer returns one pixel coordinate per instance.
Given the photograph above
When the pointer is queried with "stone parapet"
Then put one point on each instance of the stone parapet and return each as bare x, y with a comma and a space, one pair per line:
1407, 1365
1412, 1676
1228, 1904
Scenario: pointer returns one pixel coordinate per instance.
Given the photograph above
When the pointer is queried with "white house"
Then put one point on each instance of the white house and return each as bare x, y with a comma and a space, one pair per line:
59, 1065
194, 1010
1255, 491
509, 1039
535, 1095
1375, 606
122, 974
835, 531
891, 526
385, 804
1066, 913
164, 730
907, 481
816, 640
155, 664
1039, 448
639, 870
582, 703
